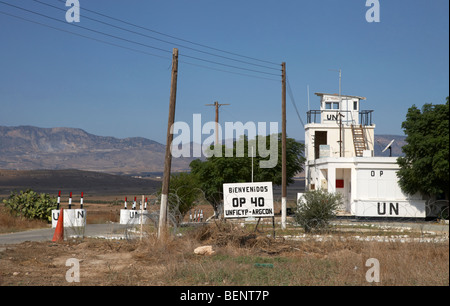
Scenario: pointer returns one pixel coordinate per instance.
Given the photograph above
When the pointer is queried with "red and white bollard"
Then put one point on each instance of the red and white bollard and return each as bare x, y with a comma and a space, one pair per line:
59, 200
70, 201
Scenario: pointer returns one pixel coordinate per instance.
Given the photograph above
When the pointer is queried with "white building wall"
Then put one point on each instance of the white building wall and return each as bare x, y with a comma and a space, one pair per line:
370, 186
378, 193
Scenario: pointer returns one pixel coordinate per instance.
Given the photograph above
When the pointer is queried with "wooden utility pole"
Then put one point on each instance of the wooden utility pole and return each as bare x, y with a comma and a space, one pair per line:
217, 105
168, 158
283, 148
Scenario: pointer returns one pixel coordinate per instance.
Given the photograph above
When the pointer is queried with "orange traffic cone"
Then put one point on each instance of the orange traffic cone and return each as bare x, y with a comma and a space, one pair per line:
59, 231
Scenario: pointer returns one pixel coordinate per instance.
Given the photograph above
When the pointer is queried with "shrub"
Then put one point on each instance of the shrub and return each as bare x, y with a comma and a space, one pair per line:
316, 208
31, 205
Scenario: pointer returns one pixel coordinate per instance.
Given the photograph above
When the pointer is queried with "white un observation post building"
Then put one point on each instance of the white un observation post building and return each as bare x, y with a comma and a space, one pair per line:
339, 149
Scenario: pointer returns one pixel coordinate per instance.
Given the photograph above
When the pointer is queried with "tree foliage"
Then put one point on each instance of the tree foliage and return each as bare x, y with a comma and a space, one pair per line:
183, 194
219, 170
425, 166
31, 205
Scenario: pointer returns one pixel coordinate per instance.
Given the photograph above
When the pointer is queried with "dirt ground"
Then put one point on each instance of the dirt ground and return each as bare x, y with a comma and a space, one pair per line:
242, 257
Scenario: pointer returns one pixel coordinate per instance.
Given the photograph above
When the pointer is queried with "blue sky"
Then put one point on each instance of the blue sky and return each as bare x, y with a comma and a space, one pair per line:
50, 78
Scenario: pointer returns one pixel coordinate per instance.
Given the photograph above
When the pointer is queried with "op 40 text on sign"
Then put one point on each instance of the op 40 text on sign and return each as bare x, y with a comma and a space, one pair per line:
244, 200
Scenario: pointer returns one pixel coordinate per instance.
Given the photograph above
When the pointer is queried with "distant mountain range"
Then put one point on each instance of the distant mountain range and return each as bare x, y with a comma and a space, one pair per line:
31, 148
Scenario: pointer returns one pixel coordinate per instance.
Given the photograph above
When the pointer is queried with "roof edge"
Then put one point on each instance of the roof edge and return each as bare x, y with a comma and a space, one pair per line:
337, 95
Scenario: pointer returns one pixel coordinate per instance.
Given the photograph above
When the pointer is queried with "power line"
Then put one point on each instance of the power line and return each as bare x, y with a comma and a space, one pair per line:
231, 72
177, 38
85, 28
161, 40
132, 49
84, 36
227, 65
138, 43
291, 95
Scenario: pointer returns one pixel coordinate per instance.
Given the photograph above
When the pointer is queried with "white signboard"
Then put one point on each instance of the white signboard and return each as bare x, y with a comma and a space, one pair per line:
324, 151
244, 200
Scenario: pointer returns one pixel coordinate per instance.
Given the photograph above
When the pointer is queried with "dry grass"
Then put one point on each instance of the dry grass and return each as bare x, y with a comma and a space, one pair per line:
9, 223
310, 263
242, 258
102, 216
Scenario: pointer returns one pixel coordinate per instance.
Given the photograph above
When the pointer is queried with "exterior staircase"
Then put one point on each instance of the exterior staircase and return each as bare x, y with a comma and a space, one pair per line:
359, 141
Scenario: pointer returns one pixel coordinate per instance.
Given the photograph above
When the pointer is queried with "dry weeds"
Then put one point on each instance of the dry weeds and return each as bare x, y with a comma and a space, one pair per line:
9, 223
242, 258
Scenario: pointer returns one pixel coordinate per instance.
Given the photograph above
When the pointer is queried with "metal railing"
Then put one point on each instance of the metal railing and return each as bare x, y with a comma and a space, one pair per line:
315, 116
365, 117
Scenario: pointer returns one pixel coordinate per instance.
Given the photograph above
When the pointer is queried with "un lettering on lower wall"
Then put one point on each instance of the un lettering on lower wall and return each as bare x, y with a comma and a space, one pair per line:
71, 217
133, 217
393, 209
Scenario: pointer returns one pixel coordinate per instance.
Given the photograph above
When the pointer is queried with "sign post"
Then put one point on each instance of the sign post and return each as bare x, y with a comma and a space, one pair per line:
245, 200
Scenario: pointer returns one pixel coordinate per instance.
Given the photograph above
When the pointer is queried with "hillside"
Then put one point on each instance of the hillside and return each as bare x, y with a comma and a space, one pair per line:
29, 148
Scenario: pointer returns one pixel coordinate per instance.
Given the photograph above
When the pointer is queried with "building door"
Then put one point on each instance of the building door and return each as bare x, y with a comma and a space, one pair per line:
320, 138
343, 186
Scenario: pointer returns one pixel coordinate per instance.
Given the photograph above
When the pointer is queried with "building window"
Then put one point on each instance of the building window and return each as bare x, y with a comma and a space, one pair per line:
331, 105
355, 105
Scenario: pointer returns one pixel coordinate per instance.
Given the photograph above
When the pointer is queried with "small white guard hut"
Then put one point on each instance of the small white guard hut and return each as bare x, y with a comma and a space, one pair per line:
339, 148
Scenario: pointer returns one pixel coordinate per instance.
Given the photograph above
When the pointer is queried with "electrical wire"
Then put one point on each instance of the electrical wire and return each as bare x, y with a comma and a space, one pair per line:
231, 72
138, 43
227, 65
85, 28
131, 49
291, 95
160, 40
84, 36
177, 38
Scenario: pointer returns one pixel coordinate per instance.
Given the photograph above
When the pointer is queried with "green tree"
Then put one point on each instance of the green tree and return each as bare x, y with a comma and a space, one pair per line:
425, 166
183, 194
219, 170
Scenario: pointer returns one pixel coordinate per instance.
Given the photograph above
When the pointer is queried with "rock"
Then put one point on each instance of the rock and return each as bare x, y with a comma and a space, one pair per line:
204, 250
